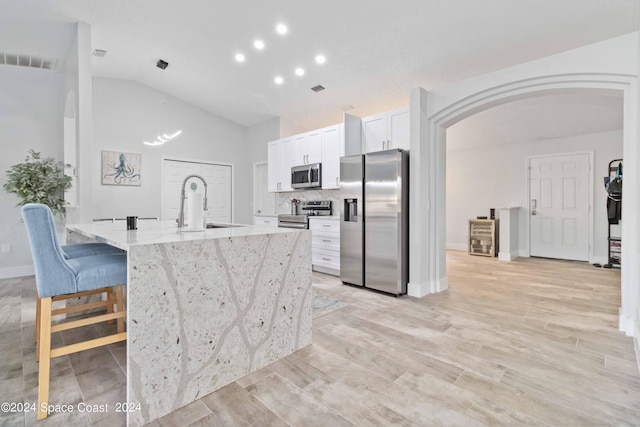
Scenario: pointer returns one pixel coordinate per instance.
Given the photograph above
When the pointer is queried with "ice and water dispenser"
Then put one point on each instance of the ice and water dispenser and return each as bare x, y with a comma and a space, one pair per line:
351, 210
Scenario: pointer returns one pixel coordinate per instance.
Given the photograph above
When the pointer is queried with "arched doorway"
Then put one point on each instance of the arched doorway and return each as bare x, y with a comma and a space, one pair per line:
428, 263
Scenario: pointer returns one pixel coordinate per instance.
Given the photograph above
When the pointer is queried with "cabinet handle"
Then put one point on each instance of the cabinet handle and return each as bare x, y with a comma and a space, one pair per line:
383, 145
337, 181
326, 259
326, 241
325, 225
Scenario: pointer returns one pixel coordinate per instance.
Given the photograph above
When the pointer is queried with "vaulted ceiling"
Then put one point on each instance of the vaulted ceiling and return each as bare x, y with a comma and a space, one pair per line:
376, 50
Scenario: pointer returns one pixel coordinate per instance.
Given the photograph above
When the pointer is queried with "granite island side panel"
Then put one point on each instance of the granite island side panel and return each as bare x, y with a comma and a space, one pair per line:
204, 313
206, 308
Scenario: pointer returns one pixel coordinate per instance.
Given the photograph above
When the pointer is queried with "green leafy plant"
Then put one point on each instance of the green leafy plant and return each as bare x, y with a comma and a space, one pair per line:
39, 180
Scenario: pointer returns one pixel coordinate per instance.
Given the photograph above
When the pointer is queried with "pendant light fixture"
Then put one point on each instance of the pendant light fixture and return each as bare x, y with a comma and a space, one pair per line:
165, 137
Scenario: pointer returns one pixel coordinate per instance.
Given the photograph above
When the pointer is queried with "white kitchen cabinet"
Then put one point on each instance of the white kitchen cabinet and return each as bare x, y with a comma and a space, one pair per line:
332, 147
325, 245
269, 221
308, 148
385, 131
280, 159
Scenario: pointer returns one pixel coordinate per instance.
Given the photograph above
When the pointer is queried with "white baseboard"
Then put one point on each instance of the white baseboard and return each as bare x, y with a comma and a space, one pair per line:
20, 271
636, 344
506, 256
420, 290
325, 270
457, 247
599, 260
626, 324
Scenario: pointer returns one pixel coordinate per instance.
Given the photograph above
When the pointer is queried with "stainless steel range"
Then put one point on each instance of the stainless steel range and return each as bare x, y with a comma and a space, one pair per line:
309, 208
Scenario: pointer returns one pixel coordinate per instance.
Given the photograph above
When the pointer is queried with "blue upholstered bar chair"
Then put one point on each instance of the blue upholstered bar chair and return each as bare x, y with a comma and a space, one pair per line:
88, 249
58, 278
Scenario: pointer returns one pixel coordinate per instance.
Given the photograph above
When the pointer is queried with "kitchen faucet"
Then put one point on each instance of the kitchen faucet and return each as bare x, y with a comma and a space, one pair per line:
183, 196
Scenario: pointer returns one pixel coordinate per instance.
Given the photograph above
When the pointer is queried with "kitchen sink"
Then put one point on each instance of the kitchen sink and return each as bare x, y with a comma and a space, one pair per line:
213, 225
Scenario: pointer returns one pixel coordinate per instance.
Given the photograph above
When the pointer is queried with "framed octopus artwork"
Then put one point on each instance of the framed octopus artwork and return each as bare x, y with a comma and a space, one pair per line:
120, 168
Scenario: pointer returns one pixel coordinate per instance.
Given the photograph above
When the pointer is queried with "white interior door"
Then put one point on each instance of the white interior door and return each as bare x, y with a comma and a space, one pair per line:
264, 203
559, 207
218, 178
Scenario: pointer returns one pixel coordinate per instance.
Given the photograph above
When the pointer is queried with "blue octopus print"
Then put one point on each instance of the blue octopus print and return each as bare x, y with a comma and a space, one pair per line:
123, 172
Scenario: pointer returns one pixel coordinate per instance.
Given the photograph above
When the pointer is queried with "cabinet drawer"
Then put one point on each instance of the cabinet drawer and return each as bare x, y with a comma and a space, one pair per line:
327, 242
324, 225
325, 258
269, 221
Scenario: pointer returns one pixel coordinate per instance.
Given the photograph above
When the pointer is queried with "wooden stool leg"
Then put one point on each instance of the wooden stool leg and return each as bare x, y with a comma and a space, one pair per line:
38, 308
44, 356
120, 307
110, 295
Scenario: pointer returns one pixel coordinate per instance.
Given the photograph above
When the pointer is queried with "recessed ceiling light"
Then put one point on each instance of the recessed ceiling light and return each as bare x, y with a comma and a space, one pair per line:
299, 71
239, 57
320, 59
282, 29
279, 80
258, 44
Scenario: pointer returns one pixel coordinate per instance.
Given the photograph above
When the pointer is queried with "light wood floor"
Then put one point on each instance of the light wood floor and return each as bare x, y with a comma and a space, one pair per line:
531, 342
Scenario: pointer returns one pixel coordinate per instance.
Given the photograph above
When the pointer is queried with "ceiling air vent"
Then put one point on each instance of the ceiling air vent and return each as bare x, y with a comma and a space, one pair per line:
317, 88
100, 53
22, 60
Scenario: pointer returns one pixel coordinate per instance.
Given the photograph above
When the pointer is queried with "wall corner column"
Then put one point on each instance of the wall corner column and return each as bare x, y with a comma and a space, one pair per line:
425, 210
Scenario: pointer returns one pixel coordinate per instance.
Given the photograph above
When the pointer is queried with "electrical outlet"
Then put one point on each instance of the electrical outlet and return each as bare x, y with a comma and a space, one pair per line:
5, 248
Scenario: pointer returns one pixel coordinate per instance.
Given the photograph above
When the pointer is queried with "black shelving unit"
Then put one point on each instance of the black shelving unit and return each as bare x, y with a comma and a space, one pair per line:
614, 242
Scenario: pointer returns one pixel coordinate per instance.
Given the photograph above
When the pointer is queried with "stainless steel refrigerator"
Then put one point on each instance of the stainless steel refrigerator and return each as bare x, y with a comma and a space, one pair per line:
374, 220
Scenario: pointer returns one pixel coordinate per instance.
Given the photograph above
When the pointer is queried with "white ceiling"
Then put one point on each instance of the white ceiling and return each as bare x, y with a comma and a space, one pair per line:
538, 119
376, 50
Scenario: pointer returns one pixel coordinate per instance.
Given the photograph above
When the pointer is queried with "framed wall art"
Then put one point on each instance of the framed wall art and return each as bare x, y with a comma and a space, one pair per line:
120, 168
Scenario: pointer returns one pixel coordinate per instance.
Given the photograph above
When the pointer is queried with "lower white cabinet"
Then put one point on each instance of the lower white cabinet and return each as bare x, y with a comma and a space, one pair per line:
270, 221
325, 245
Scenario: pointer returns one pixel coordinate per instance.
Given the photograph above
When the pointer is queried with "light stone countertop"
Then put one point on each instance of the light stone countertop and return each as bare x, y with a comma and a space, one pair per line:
152, 232
331, 217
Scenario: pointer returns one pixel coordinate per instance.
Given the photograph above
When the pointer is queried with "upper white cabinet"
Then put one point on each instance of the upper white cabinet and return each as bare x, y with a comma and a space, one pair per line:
280, 159
307, 148
324, 146
385, 131
332, 150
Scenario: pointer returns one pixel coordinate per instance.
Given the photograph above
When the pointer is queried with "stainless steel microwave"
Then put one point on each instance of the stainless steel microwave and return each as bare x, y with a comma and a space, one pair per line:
306, 176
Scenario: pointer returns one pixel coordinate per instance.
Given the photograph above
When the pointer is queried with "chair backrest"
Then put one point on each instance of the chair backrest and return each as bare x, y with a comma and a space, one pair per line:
54, 276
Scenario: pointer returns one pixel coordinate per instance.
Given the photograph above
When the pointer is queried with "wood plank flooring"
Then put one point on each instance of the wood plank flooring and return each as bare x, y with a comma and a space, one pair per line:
530, 342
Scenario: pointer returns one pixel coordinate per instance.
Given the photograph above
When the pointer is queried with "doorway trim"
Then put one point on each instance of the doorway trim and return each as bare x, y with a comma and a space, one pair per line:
428, 164
590, 184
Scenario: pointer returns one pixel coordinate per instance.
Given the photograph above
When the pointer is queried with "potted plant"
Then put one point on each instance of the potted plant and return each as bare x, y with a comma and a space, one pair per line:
39, 180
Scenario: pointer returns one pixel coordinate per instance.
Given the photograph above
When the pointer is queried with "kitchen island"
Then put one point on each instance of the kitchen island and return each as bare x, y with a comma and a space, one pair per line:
206, 308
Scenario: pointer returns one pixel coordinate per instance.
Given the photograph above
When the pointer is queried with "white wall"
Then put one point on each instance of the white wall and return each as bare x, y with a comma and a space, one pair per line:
258, 136
31, 111
127, 113
495, 176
